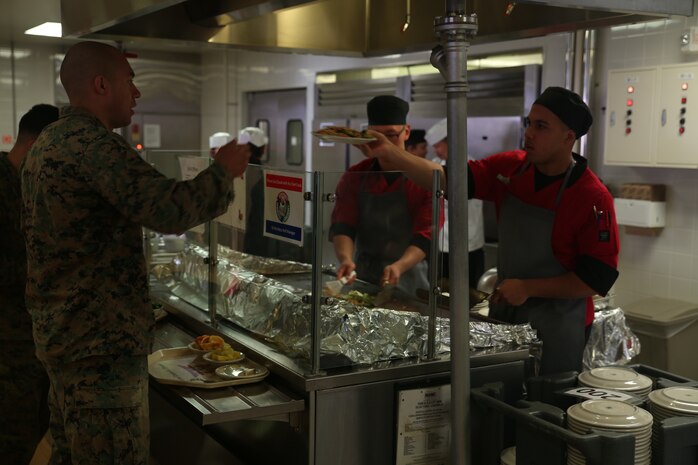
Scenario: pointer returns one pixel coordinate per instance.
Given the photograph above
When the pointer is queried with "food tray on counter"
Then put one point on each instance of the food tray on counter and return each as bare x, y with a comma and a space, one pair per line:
182, 367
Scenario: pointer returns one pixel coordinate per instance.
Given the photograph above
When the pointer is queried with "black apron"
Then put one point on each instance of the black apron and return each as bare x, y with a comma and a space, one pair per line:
525, 252
383, 234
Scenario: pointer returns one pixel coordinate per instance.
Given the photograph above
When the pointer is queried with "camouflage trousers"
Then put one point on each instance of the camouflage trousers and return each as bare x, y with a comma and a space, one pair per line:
99, 411
23, 409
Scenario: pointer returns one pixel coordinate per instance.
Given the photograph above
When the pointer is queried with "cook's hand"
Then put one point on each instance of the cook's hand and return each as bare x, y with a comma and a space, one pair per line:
233, 158
510, 291
382, 149
391, 275
346, 270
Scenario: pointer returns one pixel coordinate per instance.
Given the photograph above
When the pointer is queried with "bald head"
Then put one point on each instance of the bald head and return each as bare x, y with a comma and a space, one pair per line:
99, 79
85, 61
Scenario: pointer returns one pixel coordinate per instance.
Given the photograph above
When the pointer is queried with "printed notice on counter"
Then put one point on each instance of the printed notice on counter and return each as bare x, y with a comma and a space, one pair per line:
424, 426
284, 207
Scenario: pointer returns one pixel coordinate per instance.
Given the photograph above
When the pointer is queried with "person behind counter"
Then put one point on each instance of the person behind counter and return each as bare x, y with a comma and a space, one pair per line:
23, 380
558, 236
436, 137
381, 222
255, 242
86, 196
416, 144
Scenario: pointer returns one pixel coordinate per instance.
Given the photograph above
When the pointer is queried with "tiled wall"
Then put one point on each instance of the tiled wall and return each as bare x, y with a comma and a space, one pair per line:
667, 265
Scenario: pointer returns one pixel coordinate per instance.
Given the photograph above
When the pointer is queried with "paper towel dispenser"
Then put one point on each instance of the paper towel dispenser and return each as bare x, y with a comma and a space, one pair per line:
640, 213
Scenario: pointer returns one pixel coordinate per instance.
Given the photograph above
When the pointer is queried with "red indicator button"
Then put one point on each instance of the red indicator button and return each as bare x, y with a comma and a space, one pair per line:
683, 100
628, 130
682, 130
629, 102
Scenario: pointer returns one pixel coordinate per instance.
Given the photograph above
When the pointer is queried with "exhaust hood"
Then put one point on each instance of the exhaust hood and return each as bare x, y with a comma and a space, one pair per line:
342, 27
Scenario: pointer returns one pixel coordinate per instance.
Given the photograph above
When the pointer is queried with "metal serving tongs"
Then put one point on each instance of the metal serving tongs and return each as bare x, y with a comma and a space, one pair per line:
384, 295
335, 287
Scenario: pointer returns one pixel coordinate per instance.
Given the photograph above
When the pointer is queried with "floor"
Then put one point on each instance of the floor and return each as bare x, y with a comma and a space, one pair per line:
42, 454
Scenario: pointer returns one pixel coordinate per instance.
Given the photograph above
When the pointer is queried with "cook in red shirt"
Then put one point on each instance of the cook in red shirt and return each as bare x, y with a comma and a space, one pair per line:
381, 222
558, 237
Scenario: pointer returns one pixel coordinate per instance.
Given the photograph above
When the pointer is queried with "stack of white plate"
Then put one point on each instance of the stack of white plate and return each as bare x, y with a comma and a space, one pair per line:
676, 401
617, 379
609, 415
508, 456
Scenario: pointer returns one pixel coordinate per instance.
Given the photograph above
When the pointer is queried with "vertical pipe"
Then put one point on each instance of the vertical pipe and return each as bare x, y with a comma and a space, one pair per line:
14, 91
436, 196
587, 76
577, 63
316, 286
458, 265
456, 7
454, 30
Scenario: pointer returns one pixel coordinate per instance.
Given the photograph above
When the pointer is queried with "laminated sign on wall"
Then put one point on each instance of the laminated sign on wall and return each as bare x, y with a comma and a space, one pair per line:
284, 207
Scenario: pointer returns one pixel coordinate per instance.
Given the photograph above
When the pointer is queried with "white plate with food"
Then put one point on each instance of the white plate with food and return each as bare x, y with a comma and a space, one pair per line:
237, 371
342, 135
194, 347
223, 359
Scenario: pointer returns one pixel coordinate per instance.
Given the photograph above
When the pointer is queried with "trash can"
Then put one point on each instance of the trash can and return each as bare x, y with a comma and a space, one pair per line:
668, 332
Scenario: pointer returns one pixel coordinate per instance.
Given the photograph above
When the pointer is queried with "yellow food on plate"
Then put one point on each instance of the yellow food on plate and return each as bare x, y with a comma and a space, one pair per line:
225, 353
206, 342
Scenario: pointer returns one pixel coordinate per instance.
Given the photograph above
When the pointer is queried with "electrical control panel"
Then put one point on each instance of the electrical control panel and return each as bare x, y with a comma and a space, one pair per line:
629, 116
648, 117
677, 129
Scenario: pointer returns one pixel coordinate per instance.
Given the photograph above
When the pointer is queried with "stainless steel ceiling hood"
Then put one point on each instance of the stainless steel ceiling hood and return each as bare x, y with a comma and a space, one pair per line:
344, 27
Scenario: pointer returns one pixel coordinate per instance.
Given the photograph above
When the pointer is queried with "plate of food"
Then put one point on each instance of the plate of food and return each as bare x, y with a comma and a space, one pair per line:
238, 371
206, 343
225, 355
343, 135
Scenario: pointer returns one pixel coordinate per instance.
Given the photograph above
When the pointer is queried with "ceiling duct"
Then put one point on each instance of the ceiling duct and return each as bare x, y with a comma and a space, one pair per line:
342, 27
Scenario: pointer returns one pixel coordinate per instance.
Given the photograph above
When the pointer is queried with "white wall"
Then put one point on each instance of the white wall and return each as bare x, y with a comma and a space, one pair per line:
24, 81
664, 266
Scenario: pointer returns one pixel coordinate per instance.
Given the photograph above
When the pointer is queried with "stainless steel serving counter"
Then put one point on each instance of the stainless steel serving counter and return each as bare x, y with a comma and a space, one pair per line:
342, 416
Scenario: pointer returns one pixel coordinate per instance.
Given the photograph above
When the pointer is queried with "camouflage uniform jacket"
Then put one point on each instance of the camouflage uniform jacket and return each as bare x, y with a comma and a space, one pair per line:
86, 194
15, 323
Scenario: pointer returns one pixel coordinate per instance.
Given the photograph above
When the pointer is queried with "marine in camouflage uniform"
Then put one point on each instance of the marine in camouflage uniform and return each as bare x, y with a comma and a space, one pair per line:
86, 195
23, 381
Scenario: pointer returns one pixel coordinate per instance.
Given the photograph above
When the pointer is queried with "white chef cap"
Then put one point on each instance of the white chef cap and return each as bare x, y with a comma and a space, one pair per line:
219, 139
437, 132
254, 136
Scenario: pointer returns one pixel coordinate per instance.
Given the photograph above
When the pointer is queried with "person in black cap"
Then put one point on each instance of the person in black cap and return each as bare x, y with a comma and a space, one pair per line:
558, 236
416, 144
381, 222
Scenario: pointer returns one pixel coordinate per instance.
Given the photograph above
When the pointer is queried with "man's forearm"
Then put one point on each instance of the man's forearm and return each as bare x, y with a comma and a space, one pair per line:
410, 258
343, 247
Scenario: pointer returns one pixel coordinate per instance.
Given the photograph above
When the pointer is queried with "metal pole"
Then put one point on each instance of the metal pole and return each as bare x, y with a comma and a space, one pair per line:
213, 286
454, 31
316, 289
436, 198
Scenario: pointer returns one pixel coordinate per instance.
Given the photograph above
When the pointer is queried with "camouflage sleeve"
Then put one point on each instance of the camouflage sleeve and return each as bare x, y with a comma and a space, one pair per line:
143, 195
